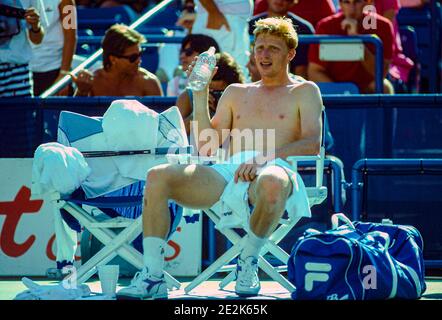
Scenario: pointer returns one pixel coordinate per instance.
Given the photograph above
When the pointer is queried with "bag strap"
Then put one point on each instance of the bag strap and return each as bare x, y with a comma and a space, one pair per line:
341, 217
382, 236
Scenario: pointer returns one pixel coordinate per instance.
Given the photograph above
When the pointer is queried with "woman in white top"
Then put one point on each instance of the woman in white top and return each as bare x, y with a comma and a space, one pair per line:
52, 58
20, 27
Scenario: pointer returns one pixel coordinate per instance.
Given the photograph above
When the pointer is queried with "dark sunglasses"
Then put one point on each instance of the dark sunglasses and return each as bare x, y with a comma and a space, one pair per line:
216, 93
188, 52
133, 57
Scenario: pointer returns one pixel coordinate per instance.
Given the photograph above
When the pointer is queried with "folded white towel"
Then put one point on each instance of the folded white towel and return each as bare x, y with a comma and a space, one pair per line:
52, 292
130, 125
57, 168
233, 206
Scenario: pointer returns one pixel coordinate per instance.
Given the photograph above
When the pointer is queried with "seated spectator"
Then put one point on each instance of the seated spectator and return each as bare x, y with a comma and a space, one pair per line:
310, 10
52, 58
136, 5
400, 65
279, 8
121, 74
191, 46
226, 21
17, 34
228, 72
350, 22
187, 16
414, 3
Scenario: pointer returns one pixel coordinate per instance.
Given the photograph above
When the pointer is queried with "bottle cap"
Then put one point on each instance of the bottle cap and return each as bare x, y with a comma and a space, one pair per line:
211, 50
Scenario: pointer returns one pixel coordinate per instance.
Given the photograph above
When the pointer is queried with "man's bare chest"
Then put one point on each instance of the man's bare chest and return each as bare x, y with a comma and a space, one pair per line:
266, 113
120, 88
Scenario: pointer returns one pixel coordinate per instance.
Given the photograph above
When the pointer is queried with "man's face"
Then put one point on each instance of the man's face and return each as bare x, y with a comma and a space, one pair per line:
353, 9
272, 55
187, 54
279, 7
129, 62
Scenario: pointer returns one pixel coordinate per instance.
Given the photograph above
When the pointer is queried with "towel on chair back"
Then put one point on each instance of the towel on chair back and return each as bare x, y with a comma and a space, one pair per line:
126, 125
360, 261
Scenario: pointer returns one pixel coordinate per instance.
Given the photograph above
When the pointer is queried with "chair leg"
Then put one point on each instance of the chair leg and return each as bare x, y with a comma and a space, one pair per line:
113, 243
275, 275
214, 267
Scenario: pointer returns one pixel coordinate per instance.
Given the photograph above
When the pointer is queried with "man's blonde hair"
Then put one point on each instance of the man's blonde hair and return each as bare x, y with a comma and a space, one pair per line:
280, 27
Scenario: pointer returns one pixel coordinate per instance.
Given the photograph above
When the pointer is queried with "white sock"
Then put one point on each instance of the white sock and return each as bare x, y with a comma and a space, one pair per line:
253, 245
153, 257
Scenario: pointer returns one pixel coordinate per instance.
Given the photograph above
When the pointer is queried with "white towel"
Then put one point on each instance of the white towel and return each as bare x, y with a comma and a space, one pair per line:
52, 292
57, 168
130, 125
233, 206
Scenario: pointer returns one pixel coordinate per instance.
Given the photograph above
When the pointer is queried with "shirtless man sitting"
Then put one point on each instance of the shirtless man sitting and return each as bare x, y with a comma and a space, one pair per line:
277, 102
121, 74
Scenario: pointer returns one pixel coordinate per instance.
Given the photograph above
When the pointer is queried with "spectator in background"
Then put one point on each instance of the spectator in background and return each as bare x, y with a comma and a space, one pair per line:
52, 58
187, 16
17, 34
310, 10
20, 26
279, 8
136, 5
226, 21
400, 65
191, 46
350, 22
121, 74
414, 3
228, 72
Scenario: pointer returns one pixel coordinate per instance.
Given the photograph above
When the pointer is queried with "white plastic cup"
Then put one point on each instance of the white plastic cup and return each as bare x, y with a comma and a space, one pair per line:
108, 275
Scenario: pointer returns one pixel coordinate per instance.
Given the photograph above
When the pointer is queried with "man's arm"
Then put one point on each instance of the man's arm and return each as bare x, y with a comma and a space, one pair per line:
184, 105
84, 82
36, 31
301, 71
310, 110
318, 73
203, 127
153, 87
216, 18
369, 63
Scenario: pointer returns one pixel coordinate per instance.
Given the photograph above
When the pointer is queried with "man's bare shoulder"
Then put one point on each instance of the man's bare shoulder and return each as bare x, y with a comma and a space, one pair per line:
240, 88
146, 75
305, 88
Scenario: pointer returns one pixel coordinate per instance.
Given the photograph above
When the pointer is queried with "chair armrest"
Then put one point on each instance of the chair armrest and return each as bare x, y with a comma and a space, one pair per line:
189, 159
319, 159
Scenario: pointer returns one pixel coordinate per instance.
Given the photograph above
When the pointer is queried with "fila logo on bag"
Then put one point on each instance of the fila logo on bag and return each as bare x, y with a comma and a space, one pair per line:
316, 272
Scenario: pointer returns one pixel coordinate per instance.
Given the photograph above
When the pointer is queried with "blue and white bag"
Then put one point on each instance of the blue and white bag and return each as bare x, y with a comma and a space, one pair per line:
360, 261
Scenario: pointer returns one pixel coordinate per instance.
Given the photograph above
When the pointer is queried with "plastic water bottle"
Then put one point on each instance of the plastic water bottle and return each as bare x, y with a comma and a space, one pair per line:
202, 70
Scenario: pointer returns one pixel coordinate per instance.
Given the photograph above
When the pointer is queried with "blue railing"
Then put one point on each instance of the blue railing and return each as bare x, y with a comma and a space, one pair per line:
397, 167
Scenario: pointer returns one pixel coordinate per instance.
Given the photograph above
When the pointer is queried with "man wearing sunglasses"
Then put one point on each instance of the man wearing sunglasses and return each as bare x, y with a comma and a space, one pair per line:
121, 74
